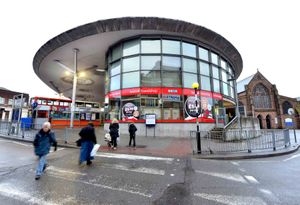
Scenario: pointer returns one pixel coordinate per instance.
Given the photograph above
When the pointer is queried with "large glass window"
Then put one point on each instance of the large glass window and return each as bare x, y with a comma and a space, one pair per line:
131, 64
215, 71
214, 58
261, 97
205, 83
115, 83
171, 79
188, 49
225, 89
172, 110
150, 46
115, 68
150, 78
223, 64
171, 47
151, 62
203, 54
204, 68
189, 65
1, 100
131, 48
171, 63
189, 79
224, 76
117, 52
216, 86
131, 80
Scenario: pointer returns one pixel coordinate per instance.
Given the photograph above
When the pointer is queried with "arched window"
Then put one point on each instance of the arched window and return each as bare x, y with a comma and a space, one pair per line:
286, 105
259, 117
261, 97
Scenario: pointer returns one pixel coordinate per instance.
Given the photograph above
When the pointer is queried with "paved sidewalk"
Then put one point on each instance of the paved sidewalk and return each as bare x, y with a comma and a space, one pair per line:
163, 146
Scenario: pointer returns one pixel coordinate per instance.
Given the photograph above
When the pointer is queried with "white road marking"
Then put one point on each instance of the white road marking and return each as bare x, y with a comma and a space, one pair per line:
10, 191
23, 144
64, 171
292, 157
125, 189
269, 195
139, 170
232, 200
132, 157
232, 177
242, 170
251, 179
235, 163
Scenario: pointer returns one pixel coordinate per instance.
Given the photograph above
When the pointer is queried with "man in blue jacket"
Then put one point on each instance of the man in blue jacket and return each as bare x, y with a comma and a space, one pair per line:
42, 143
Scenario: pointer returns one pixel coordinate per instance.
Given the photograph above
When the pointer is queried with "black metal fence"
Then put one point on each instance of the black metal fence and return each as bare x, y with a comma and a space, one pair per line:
214, 142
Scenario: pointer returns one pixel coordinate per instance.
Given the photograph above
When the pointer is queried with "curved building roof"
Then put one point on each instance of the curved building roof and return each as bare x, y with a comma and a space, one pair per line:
94, 39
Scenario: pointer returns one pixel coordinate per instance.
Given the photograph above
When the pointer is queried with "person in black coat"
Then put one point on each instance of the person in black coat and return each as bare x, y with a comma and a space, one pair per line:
87, 139
132, 129
114, 132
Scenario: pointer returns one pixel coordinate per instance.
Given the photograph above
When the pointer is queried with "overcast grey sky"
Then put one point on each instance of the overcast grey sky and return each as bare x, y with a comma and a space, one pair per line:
265, 32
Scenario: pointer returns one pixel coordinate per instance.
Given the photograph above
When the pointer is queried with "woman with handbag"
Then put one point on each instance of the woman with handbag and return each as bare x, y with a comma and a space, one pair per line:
114, 132
87, 141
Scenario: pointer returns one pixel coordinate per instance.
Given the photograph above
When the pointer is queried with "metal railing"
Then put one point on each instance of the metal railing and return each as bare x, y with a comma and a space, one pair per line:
241, 140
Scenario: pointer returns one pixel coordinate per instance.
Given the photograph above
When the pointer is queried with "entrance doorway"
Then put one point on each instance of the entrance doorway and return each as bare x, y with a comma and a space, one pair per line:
260, 121
268, 122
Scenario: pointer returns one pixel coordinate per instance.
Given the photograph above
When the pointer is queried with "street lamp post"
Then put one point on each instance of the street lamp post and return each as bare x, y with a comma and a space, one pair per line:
196, 86
74, 87
237, 103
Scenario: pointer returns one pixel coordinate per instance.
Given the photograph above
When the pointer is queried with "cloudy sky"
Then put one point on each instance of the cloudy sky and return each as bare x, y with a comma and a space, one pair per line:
266, 33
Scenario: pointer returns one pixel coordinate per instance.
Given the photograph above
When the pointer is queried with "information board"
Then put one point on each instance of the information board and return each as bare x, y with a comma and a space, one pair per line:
150, 119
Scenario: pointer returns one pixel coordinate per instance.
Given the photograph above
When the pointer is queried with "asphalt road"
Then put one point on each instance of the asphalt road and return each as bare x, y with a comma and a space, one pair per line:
132, 179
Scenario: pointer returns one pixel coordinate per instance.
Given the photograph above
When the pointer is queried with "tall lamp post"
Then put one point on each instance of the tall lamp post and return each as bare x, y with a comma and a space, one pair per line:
196, 87
237, 111
74, 72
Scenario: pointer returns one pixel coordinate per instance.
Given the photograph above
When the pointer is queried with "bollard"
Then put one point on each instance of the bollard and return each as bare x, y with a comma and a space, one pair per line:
273, 140
198, 142
295, 136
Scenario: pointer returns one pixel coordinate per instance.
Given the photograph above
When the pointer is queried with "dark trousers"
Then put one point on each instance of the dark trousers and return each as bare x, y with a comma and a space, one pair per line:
132, 137
114, 141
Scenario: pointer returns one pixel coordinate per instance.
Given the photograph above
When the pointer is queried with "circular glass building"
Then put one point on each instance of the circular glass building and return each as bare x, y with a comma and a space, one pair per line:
150, 65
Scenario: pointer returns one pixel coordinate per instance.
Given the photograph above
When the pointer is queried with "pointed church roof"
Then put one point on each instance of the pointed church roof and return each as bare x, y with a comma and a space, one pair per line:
241, 84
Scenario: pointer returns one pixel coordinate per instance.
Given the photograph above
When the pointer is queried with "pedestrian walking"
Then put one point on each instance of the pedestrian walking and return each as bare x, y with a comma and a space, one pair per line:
42, 144
132, 129
88, 140
114, 132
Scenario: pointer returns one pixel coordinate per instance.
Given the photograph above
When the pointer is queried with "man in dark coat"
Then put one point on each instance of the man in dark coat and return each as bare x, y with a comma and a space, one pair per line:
132, 129
88, 139
42, 143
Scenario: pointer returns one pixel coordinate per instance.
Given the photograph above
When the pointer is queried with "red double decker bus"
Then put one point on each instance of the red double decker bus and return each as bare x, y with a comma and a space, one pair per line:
58, 112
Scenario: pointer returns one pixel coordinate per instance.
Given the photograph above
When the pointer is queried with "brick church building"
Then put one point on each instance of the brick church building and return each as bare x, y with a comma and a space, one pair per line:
261, 99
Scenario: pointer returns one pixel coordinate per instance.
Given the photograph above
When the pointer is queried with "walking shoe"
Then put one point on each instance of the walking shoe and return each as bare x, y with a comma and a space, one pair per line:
114, 148
37, 177
89, 163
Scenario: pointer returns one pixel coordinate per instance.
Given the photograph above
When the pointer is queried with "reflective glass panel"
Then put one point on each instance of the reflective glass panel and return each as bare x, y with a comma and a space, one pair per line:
171, 63
131, 80
189, 79
115, 83
130, 64
224, 76
116, 52
189, 65
223, 64
216, 86
172, 47
205, 83
131, 48
204, 68
150, 62
225, 89
214, 58
171, 79
215, 71
188, 49
150, 46
115, 68
203, 54
150, 78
